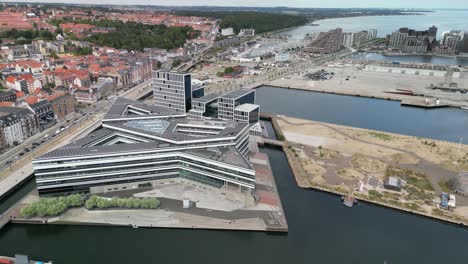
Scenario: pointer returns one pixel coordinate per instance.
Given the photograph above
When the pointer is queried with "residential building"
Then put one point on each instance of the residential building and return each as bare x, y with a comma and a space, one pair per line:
172, 90
140, 144
413, 41
25, 83
63, 106
27, 119
104, 87
3, 142
86, 95
372, 34
227, 31
454, 40
360, 38
326, 42
282, 56
397, 38
247, 32
348, 39
8, 96
10, 128
45, 115
415, 45
227, 42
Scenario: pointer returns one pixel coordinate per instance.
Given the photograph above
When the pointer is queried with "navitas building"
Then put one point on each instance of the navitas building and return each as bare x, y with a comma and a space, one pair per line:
139, 144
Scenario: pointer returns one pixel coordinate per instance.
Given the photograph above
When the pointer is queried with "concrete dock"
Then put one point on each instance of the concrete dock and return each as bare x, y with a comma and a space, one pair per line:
423, 104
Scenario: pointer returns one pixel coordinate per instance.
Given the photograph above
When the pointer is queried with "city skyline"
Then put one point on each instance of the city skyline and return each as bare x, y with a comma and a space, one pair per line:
430, 4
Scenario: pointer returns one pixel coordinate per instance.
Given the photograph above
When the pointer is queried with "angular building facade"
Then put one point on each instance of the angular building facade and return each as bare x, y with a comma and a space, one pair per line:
326, 42
140, 144
228, 102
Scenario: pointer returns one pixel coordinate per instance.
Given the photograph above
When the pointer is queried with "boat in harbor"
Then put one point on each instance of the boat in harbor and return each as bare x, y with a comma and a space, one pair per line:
464, 108
20, 259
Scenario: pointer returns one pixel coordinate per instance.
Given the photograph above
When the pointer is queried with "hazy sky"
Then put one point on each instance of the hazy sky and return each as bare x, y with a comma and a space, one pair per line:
292, 3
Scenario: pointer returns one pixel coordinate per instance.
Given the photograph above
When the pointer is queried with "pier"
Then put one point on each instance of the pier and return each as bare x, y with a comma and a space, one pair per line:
422, 104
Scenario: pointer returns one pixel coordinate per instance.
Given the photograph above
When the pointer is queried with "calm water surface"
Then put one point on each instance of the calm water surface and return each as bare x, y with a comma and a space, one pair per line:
445, 20
321, 230
449, 124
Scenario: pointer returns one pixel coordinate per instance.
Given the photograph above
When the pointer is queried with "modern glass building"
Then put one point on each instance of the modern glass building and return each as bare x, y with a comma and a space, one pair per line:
140, 144
172, 90
228, 102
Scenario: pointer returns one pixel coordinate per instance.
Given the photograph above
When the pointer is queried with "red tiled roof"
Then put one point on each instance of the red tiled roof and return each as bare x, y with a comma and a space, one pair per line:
20, 94
6, 104
32, 99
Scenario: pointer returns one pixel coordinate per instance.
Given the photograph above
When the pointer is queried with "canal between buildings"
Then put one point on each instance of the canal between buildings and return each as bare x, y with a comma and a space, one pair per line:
321, 230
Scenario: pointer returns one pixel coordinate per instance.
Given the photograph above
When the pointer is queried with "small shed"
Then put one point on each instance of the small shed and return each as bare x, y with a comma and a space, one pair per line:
186, 204
394, 183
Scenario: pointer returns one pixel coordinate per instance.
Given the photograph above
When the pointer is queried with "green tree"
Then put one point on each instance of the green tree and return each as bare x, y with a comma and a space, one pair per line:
29, 211
91, 202
176, 62
54, 55
74, 200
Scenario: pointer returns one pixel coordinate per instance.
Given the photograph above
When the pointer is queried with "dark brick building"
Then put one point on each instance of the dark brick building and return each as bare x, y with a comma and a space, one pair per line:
63, 106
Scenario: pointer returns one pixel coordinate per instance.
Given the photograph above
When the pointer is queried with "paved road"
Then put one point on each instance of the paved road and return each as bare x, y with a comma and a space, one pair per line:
22, 168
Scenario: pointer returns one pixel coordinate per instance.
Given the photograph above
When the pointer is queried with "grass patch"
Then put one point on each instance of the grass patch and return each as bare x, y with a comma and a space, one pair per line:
412, 206
373, 194
382, 136
444, 186
390, 195
437, 212
418, 187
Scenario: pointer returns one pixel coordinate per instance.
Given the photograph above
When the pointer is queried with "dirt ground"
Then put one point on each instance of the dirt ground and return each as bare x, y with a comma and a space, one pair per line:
332, 156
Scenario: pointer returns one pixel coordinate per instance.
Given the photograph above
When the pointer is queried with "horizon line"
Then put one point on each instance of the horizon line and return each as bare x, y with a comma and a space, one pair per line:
227, 6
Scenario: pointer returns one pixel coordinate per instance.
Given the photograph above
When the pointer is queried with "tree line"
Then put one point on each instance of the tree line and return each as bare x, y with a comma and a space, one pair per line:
27, 35
261, 22
136, 36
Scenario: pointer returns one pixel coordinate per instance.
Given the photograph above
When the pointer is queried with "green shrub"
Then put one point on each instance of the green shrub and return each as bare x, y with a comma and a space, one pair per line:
51, 206
101, 203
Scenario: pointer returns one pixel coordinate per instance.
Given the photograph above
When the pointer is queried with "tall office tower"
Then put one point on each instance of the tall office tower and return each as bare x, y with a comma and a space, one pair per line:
172, 90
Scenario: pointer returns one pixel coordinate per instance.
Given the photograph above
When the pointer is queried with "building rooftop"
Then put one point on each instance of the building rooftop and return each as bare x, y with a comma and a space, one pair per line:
237, 93
125, 109
247, 107
416, 66
207, 98
149, 134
